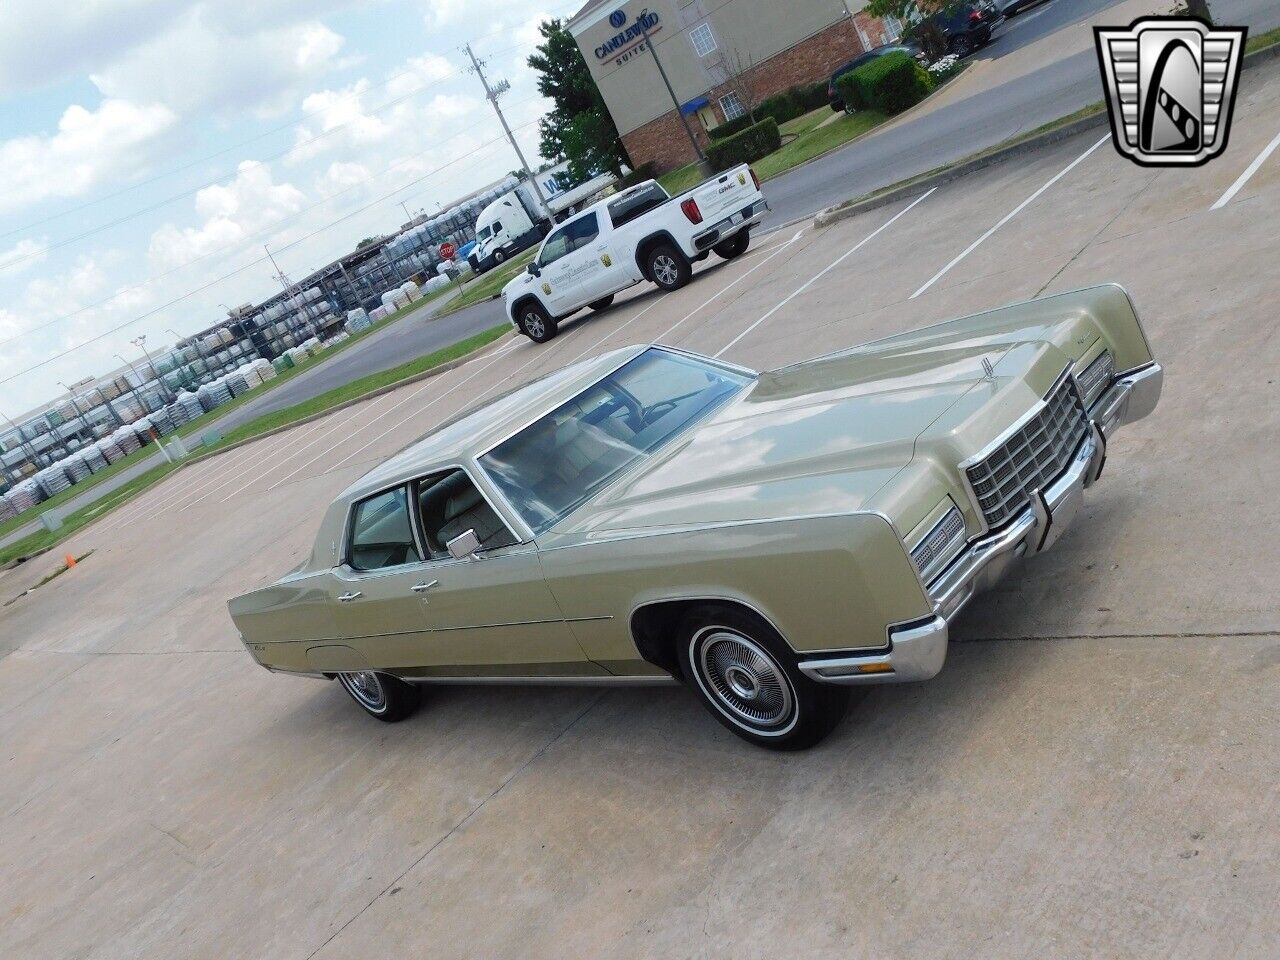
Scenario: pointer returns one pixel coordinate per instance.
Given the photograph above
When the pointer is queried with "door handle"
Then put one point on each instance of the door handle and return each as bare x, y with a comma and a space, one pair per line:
348, 597
424, 587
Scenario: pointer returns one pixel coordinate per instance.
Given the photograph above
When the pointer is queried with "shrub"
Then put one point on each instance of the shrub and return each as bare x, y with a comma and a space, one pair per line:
646, 171
889, 84
781, 107
746, 146
730, 127
811, 96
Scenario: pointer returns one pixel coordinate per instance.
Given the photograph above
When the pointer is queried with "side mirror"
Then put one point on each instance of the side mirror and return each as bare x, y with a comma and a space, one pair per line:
464, 545
533, 269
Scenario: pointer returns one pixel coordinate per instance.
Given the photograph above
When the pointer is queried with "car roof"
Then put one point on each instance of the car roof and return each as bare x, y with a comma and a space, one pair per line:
466, 436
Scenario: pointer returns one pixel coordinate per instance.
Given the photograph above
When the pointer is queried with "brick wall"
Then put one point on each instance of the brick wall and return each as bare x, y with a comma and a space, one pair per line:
664, 140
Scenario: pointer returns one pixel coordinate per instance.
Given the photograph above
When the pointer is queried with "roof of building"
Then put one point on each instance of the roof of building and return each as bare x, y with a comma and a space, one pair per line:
586, 9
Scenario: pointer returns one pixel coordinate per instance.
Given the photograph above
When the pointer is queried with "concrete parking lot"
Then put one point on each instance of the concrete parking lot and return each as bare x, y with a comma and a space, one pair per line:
1095, 772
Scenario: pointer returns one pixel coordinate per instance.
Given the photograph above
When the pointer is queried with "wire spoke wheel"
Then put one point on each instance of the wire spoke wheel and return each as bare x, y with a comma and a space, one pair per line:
744, 681
366, 688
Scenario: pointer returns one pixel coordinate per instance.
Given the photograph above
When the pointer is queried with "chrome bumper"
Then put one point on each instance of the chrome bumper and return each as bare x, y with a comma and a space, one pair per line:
749, 217
916, 651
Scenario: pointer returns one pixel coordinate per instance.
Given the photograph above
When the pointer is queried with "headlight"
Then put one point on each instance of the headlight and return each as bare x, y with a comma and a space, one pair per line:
1096, 377
937, 548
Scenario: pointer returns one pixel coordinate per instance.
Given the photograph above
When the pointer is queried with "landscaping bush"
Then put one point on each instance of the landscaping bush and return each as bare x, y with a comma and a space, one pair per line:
646, 171
781, 107
811, 96
889, 84
730, 127
746, 146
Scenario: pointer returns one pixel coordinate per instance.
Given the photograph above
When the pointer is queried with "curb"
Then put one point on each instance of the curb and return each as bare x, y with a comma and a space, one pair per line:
962, 168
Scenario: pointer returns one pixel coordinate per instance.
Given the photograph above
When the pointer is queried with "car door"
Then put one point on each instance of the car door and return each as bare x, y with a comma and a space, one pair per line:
490, 614
375, 606
571, 279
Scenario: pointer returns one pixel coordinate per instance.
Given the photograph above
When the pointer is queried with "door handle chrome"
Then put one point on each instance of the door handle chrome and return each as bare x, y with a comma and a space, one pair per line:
348, 597
424, 587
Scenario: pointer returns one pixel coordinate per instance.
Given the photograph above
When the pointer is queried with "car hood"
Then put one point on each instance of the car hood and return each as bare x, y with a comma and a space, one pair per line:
817, 438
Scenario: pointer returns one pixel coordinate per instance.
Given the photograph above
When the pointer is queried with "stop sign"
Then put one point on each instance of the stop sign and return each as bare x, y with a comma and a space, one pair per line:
447, 250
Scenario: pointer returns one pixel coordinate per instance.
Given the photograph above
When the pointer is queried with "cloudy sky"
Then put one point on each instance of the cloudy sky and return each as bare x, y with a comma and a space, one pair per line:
149, 148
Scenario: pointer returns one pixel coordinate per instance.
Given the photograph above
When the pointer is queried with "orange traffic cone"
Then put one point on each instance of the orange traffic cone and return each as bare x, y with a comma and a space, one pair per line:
70, 560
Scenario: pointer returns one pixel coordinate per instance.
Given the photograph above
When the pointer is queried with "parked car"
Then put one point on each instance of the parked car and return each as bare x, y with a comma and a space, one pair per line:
833, 95
968, 26
1010, 8
639, 234
770, 539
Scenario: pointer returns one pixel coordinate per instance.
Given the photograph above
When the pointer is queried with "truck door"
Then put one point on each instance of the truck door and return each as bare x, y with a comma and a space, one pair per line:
571, 267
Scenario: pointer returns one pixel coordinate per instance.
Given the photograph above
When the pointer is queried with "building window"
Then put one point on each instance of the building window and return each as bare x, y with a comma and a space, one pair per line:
732, 106
704, 41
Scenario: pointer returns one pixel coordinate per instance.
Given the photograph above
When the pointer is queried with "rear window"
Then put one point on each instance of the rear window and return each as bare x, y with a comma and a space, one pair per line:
636, 204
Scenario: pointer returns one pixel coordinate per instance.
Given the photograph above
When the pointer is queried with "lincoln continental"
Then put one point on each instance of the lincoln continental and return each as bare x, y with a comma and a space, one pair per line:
768, 539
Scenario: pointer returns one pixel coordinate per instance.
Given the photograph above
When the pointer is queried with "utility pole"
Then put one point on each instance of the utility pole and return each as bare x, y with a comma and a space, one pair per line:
492, 94
703, 166
141, 343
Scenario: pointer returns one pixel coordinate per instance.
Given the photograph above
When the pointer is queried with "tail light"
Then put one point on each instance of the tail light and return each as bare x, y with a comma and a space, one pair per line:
975, 16
755, 177
690, 208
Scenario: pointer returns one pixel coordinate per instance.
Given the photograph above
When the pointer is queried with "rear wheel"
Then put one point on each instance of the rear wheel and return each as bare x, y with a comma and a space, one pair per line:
602, 304
962, 46
735, 246
536, 324
745, 675
668, 267
381, 695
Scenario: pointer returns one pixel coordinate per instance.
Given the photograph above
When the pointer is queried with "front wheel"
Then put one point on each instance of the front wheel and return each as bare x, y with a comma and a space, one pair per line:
735, 246
745, 675
602, 304
668, 267
537, 325
499, 257
962, 46
381, 695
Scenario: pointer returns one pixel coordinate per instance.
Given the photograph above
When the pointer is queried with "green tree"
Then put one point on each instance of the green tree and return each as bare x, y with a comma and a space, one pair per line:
579, 128
918, 13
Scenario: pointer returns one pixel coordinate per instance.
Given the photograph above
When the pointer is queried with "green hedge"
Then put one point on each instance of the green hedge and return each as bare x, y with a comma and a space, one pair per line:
646, 171
730, 127
791, 103
746, 146
889, 84
811, 96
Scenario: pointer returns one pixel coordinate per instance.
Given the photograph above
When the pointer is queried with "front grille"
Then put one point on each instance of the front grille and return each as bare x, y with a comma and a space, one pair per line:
1032, 458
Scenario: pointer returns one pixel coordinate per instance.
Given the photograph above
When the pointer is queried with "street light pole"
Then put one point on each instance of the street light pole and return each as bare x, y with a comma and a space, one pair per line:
643, 20
141, 343
23, 441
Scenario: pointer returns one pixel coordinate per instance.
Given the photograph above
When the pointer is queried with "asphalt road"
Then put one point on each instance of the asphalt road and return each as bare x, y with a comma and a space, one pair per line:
937, 138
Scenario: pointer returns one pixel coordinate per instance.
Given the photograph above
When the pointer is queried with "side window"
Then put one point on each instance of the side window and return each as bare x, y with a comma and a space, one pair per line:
583, 231
450, 504
497, 226
382, 532
557, 246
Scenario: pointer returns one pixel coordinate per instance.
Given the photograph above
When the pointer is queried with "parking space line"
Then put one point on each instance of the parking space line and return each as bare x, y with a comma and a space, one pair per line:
828, 268
1009, 216
168, 497
317, 439
340, 424
1248, 174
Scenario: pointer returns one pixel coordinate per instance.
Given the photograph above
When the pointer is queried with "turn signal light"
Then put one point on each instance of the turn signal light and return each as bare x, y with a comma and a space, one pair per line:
690, 208
875, 668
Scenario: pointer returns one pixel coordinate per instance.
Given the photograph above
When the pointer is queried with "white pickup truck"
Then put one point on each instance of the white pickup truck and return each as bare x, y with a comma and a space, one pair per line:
642, 233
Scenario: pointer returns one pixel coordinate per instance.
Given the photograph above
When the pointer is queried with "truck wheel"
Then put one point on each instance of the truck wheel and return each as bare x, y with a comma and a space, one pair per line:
668, 267
602, 304
536, 324
746, 676
735, 246
499, 257
381, 695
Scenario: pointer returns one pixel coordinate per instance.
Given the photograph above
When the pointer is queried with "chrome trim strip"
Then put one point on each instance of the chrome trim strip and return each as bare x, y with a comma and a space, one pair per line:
917, 653
574, 680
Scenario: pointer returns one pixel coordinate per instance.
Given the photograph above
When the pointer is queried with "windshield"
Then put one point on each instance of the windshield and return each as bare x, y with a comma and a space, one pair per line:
482, 233
553, 465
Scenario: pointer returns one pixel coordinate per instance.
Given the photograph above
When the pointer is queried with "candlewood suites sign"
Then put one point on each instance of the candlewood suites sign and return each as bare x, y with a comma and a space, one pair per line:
625, 41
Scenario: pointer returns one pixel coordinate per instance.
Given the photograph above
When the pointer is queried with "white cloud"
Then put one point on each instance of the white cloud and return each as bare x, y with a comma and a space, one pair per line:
231, 212
23, 255
200, 65
340, 177
89, 147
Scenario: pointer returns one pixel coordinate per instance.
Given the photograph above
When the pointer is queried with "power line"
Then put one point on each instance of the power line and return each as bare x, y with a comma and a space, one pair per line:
231, 248
241, 269
254, 139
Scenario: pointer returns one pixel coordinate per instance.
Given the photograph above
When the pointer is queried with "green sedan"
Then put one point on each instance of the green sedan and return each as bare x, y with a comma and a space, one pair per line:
768, 539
